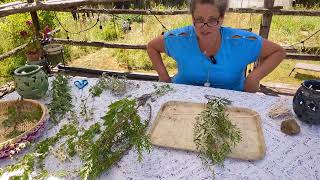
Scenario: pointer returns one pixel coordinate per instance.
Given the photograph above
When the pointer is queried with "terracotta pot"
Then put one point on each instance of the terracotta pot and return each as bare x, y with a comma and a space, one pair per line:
33, 56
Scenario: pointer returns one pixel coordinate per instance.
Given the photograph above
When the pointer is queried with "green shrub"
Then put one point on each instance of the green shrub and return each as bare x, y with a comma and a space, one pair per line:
110, 33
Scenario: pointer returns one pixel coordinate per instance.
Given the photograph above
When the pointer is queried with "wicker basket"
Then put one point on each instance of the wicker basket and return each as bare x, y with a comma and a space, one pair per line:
31, 130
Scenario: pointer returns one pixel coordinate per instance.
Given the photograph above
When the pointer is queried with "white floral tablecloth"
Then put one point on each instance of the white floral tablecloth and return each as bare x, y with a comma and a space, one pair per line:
287, 157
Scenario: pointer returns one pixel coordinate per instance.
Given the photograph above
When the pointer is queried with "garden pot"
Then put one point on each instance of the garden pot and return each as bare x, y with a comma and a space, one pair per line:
43, 63
33, 56
306, 102
31, 81
54, 53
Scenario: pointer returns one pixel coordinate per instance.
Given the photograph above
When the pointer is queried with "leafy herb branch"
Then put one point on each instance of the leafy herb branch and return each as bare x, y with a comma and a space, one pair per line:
117, 86
161, 90
85, 110
61, 99
214, 134
124, 129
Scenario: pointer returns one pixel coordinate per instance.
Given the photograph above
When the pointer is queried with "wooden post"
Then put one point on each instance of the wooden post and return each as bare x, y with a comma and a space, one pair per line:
266, 19
35, 20
265, 23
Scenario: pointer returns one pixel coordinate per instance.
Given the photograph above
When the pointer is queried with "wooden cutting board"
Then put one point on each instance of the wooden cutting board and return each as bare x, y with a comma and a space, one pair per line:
173, 128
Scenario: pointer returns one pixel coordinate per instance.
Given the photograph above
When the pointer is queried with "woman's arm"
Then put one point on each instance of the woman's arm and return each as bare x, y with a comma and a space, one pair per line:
271, 56
154, 48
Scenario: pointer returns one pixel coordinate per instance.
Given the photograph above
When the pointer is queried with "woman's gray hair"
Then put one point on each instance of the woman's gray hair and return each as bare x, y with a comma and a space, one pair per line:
222, 5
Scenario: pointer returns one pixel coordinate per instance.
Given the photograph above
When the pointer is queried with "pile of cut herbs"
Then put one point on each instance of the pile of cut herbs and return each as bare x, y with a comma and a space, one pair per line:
18, 119
100, 146
117, 86
214, 134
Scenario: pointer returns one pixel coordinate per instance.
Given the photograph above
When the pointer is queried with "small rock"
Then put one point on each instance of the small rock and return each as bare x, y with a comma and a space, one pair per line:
290, 127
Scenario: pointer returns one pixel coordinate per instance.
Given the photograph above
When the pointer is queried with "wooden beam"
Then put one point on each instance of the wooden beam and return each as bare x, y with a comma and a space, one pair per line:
306, 50
128, 11
266, 19
291, 52
35, 20
179, 12
312, 57
296, 12
265, 25
307, 57
12, 52
49, 5
97, 44
20, 7
130, 75
10, 4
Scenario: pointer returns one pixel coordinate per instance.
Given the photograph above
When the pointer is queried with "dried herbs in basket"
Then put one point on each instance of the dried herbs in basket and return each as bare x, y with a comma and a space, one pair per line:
19, 120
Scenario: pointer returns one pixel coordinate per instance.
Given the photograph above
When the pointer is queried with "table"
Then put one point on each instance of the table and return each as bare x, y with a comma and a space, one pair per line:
287, 157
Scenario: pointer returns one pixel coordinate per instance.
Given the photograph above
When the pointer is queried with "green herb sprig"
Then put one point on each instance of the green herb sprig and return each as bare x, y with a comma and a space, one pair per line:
214, 134
117, 86
61, 102
123, 130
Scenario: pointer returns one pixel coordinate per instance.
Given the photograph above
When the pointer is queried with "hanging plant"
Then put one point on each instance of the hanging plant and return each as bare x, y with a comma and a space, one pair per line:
33, 50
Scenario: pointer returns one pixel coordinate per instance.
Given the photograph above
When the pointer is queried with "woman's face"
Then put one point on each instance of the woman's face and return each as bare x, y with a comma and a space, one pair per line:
207, 20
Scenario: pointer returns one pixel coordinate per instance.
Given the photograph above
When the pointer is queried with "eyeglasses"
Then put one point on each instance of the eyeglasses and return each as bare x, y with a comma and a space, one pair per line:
211, 23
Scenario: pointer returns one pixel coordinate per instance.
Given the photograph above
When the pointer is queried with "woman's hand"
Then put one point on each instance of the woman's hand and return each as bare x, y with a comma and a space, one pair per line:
154, 49
252, 84
271, 56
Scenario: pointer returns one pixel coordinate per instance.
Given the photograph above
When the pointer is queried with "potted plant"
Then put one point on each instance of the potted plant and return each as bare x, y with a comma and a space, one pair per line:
33, 50
54, 53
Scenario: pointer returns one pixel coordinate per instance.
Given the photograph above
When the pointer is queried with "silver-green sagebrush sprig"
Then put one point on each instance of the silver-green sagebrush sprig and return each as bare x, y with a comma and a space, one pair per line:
117, 85
214, 134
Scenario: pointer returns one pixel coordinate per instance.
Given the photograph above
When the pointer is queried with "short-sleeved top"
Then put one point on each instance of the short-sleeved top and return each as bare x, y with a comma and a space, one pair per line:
238, 49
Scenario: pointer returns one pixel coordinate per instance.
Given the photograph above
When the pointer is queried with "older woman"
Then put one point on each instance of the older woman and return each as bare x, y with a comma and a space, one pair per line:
210, 54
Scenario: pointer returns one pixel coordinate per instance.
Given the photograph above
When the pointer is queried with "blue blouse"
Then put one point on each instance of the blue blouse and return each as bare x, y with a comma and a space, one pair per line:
238, 49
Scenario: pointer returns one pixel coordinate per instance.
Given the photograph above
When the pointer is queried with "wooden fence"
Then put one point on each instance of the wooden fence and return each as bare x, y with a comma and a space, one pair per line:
75, 5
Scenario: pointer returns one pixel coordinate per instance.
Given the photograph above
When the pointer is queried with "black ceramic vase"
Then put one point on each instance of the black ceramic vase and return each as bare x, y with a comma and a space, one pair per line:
306, 102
